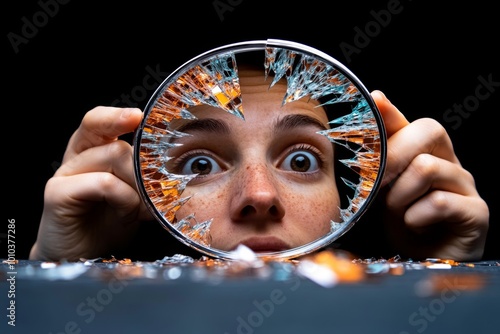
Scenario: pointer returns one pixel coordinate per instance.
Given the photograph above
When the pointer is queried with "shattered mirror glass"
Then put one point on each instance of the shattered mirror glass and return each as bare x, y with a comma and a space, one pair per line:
269, 144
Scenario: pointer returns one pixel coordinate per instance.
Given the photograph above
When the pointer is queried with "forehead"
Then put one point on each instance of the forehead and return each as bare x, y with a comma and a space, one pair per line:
261, 99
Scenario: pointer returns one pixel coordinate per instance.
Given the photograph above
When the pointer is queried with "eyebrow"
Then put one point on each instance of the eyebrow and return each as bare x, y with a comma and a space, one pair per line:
217, 126
294, 121
206, 124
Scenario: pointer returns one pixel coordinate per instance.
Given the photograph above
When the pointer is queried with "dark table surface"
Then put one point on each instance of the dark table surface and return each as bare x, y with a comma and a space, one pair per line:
182, 295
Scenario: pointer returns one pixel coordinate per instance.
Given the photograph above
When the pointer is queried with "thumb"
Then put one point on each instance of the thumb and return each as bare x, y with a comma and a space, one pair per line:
394, 120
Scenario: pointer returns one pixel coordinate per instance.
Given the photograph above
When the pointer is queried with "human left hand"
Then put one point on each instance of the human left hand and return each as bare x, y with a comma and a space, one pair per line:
433, 208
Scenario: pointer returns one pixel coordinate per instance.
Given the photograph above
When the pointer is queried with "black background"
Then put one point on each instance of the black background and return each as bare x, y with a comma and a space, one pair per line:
426, 58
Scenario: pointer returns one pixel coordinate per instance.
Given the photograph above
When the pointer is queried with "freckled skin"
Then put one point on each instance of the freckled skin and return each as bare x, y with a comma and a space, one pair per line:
253, 196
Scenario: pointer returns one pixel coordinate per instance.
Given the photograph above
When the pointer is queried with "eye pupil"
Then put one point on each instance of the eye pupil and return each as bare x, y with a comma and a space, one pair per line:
201, 166
301, 163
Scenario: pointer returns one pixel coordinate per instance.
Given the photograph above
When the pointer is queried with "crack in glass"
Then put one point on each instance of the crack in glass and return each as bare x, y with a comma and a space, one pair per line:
214, 81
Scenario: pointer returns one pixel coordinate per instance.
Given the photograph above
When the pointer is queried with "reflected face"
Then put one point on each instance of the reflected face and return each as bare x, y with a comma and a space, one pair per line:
267, 181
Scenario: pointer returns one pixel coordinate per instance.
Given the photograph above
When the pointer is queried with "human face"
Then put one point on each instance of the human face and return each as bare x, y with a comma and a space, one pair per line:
267, 181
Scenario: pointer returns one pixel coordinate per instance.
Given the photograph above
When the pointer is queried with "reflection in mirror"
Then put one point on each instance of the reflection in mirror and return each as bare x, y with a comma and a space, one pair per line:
270, 144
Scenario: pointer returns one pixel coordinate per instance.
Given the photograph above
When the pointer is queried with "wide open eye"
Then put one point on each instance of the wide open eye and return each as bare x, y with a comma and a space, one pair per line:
300, 161
201, 165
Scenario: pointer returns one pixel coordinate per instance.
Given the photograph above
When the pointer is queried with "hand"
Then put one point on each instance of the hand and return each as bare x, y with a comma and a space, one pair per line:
433, 207
91, 204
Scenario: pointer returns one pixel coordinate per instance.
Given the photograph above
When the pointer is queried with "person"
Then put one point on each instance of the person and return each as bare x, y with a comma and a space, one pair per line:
261, 185
266, 171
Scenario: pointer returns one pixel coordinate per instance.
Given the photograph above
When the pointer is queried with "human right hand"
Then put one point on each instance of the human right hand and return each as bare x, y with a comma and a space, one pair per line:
91, 204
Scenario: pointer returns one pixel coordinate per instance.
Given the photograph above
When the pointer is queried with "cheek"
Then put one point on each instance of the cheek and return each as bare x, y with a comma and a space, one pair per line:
209, 205
315, 206
204, 204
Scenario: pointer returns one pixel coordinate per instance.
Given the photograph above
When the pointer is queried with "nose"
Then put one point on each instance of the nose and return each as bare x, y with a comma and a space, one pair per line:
257, 196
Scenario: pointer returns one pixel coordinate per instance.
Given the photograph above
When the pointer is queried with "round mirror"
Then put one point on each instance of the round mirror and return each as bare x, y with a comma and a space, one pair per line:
269, 144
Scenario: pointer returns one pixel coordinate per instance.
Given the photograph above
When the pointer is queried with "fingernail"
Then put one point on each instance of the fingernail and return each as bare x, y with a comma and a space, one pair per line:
126, 112
383, 95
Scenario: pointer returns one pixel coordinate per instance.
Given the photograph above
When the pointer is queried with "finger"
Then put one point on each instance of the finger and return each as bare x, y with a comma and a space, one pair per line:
450, 225
394, 120
469, 213
115, 158
427, 173
73, 195
102, 125
424, 135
